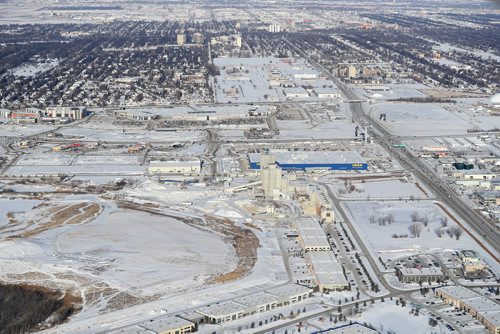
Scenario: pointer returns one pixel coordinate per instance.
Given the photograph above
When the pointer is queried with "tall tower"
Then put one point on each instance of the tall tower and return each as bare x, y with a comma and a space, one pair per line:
181, 38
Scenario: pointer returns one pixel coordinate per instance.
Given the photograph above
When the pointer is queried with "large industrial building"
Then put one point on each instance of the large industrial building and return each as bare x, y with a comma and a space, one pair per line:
301, 160
483, 309
262, 301
175, 167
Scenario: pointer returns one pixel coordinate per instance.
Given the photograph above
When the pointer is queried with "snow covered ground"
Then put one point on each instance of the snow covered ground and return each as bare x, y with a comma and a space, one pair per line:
145, 249
422, 119
15, 205
379, 238
29, 70
134, 135
385, 189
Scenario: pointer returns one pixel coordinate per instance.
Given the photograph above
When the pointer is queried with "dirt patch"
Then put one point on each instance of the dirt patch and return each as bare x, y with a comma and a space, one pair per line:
441, 93
421, 188
245, 244
68, 215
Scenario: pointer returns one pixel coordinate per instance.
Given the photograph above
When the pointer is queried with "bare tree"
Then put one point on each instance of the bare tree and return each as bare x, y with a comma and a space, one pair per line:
381, 221
425, 220
444, 221
391, 218
439, 232
455, 231
371, 219
415, 230
414, 217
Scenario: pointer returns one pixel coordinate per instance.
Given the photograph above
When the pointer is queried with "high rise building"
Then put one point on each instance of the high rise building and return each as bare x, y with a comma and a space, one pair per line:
181, 38
197, 38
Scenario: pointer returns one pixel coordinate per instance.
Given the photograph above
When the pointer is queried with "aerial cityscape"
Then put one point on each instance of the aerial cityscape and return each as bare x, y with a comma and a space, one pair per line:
260, 166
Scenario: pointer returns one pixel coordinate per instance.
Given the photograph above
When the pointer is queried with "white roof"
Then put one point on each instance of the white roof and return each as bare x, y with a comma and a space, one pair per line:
289, 290
313, 157
421, 272
328, 270
164, 324
256, 299
174, 163
221, 309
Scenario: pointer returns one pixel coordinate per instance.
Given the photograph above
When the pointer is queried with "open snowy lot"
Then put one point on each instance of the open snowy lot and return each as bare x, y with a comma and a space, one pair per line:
153, 249
305, 130
383, 189
132, 135
111, 257
392, 240
420, 119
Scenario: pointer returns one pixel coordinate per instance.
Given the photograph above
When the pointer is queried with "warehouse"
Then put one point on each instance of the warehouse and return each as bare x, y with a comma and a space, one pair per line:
328, 273
483, 309
332, 160
175, 167
161, 325
311, 235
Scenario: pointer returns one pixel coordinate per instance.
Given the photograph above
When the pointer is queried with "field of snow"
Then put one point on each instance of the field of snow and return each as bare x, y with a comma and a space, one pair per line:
305, 130
107, 169
15, 205
388, 316
29, 70
386, 189
379, 238
419, 119
134, 135
13, 130
147, 249
105, 160
44, 159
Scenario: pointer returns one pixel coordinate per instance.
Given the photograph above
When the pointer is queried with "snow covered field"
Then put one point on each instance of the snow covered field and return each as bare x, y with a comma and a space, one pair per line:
29, 70
145, 249
305, 130
120, 251
15, 205
379, 238
423, 119
135, 135
385, 189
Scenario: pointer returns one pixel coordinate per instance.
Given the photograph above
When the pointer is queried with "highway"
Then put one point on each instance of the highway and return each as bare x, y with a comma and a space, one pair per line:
407, 160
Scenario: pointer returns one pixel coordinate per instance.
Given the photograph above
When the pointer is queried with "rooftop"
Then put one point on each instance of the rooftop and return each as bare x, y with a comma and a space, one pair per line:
314, 157
221, 309
163, 324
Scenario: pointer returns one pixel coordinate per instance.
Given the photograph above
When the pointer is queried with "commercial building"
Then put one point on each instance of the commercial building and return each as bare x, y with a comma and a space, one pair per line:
332, 160
483, 309
295, 93
489, 197
420, 275
327, 93
67, 112
261, 301
162, 325
181, 38
222, 312
470, 261
274, 28
197, 38
311, 235
4, 113
328, 272
175, 167
29, 115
